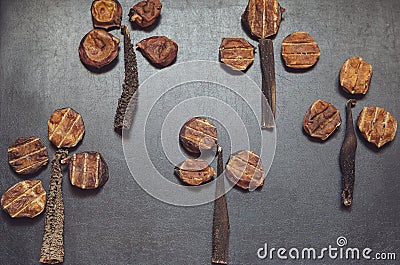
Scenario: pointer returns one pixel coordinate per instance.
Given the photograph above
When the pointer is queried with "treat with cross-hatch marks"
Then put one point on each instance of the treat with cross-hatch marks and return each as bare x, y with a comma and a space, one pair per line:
245, 169
300, 51
355, 76
377, 125
321, 120
106, 14
236, 52
27, 155
25, 199
87, 170
65, 128
198, 134
194, 171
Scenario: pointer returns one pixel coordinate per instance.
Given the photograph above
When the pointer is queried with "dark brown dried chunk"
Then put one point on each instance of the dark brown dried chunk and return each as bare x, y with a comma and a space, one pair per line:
145, 13
65, 128
194, 171
300, 51
355, 75
262, 17
245, 169
236, 52
321, 120
106, 14
27, 155
159, 50
24, 199
98, 48
377, 125
198, 134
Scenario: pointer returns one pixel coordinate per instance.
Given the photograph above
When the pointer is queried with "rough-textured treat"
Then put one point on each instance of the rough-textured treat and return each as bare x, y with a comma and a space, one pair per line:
87, 170
27, 155
145, 13
98, 48
24, 199
321, 120
300, 51
159, 50
355, 76
65, 128
198, 134
377, 125
245, 169
194, 171
106, 14
236, 52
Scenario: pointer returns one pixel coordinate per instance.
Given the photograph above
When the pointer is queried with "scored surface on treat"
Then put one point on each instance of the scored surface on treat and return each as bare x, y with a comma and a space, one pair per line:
299, 50
236, 52
198, 133
355, 75
194, 171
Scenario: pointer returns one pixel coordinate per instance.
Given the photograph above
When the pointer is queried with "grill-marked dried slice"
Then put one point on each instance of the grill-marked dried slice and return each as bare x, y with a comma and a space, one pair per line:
65, 128
245, 169
106, 14
321, 120
355, 75
300, 51
377, 125
24, 199
236, 52
159, 50
198, 134
145, 13
27, 155
194, 171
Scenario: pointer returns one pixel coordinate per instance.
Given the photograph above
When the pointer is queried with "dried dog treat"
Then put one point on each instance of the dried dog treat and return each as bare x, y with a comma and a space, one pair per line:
24, 199
377, 125
87, 170
321, 120
194, 171
159, 50
98, 48
300, 51
236, 52
245, 169
198, 134
106, 14
355, 76
145, 13
27, 155
65, 128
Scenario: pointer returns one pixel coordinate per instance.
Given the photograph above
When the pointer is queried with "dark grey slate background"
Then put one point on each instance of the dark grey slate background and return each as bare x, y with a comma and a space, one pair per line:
299, 207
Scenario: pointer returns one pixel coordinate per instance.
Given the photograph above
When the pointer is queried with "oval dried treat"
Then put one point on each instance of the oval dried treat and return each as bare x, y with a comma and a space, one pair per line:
87, 170
245, 169
65, 128
355, 76
377, 125
98, 48
145, 13
198, 134
321, 120
24, 199
106, 14
236, 52
159, 50
300, 51
27, 155
194, 171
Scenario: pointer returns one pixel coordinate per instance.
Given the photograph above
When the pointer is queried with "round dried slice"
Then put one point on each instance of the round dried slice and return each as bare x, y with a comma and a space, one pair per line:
245, 169
194, 171
236, 52
27, 155
198, 134
87, 170
159, 50
145, 13
377, 125
321, 120
65, 128
24, 199
98, 48
355, 76
106, 14
300, 51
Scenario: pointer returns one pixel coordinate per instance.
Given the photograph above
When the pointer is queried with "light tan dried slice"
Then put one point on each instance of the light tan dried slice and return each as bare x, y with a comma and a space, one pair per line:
106, 13
300, 51
355, 75
236, 52
194, 171
377, 125
198, 134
